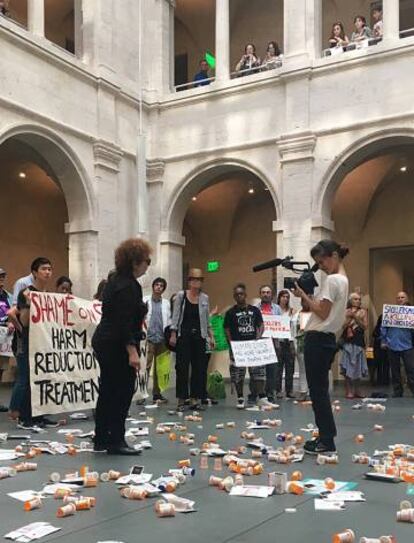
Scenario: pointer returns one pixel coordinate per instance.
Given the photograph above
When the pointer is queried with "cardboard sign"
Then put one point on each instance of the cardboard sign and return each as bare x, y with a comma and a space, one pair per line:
63, 369
277, 326
398, 316
254, 353
6, 340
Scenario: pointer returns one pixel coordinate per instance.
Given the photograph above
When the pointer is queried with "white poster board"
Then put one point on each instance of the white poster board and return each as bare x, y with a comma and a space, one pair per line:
277, 326
6, 340
259, 352
398, 316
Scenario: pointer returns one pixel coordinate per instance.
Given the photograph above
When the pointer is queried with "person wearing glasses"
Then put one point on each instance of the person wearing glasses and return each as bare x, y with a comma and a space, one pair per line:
116, 343
190, 329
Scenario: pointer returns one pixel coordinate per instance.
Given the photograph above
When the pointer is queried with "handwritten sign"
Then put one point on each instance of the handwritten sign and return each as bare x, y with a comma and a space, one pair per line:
277, 326
63, 370
254, 353
398, 316
6, 340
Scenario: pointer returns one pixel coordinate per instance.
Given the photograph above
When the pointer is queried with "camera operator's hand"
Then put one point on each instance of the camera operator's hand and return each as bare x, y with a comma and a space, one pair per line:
297, 291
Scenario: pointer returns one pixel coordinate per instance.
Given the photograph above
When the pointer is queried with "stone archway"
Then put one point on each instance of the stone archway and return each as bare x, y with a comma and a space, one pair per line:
47, 152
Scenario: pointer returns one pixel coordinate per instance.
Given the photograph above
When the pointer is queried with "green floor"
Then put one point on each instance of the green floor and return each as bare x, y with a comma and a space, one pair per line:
220, 518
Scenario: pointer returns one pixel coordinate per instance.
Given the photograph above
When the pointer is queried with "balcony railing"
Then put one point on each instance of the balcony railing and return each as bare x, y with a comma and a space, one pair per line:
335, 51
258, 69
194, 84
407, 33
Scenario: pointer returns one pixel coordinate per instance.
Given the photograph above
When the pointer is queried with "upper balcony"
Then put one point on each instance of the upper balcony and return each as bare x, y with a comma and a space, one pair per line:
228, 43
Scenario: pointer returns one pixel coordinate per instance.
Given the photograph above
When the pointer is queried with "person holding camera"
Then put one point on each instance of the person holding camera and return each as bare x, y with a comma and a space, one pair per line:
249, 62
327, 318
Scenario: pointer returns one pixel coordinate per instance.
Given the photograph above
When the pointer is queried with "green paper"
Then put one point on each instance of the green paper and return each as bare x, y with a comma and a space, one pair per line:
216, 323
210, 59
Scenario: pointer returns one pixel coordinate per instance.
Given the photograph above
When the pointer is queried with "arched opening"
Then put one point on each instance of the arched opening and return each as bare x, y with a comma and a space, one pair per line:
46, 208
371, 197
225, 215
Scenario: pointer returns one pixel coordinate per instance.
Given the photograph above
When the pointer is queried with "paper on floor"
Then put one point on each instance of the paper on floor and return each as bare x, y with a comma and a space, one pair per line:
252, 491
328, 505
32, 531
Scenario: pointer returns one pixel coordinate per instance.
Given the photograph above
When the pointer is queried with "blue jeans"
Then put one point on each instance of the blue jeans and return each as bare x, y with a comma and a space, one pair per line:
21, 396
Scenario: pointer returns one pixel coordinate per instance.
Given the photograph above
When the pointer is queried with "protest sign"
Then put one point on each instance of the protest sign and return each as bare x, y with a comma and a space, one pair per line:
253, 353
277, 326
6, 340
398, 316
63, 369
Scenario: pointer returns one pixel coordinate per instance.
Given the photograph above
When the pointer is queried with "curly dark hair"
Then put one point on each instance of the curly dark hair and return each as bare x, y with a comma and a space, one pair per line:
129, 252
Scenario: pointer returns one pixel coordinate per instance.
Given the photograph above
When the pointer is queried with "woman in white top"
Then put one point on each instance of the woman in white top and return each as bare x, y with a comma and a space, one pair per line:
328, 315
286, 351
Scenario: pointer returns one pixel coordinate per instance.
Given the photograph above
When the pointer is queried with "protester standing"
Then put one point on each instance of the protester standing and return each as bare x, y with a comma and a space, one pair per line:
116, 343
244, 322
327, 318
286, 352
300, 320
268, 307
353, 362
379, 368
20, 314
190, 329
158, 318
6, 301
64, 285
399, 344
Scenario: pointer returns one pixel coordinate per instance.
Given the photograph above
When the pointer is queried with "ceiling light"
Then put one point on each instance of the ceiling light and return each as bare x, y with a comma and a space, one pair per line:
194, 198
403, 169
22, 175
251, 190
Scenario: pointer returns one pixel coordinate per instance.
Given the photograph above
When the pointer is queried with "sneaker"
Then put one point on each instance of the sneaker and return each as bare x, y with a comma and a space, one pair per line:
240, 403
264, 402
279, 395
290, 396
251, 402
3, 408
159, 398
315, 446
25, 425
271, 398
47, 423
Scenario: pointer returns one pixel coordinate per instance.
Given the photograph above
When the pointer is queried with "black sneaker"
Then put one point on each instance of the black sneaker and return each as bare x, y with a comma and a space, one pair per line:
315, 446
47, 423
251, 401
159, 398
25, 425
3, 408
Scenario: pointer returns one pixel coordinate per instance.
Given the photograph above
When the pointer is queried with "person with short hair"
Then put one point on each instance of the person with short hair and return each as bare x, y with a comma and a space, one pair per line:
249, 62
378, 28
338, 38
24, 282
326, 320
116, 343
353, 362
362, 32
400, 346
244, 322
268, 307
202, 77
21, 396
64, 285
158, 318
190, 329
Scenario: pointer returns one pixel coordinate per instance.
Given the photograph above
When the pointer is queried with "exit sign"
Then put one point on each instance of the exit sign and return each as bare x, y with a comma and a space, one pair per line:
213, 266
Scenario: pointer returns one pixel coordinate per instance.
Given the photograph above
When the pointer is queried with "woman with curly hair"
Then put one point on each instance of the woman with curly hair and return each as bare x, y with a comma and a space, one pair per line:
116, 345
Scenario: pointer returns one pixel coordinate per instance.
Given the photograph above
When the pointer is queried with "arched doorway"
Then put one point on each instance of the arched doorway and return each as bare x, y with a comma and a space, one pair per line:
225, 216
45, 200
371, 196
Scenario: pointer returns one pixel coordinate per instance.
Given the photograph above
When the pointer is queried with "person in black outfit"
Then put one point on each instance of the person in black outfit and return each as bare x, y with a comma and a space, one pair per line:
116, 345
380, 365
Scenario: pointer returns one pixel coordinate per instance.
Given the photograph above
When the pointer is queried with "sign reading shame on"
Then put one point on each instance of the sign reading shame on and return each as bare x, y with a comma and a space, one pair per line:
398, 316
63, 370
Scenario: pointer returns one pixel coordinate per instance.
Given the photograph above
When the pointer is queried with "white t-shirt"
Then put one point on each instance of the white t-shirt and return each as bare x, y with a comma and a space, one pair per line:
334, 289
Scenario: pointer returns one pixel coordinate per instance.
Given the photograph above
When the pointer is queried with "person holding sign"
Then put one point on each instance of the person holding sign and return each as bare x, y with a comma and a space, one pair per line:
116, 344
399, 344
268, 307
244, 322
326, 320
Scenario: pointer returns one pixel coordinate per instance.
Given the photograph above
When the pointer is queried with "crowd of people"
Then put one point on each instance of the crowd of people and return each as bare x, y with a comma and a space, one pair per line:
360, 33
326, 324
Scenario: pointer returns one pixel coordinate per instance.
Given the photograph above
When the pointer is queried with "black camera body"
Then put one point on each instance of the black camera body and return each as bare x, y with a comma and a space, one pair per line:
306, 282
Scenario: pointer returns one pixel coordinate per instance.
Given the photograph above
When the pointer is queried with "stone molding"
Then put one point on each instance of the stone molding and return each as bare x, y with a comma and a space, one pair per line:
107, 155
80, 227
155, 171
297, 148
171, 238
324, 223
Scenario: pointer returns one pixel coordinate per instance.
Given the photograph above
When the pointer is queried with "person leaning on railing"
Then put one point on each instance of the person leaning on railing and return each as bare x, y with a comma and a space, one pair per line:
273, 56
249, 62
362, 32
338, 38
4, 7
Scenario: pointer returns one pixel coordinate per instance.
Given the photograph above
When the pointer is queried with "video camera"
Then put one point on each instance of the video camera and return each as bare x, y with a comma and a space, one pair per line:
306, 281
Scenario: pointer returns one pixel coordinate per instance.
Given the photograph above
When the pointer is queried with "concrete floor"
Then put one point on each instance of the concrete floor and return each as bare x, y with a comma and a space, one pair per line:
221, 518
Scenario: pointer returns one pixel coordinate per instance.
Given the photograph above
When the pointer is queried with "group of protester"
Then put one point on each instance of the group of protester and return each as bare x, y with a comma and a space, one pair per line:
361, 32
182, 325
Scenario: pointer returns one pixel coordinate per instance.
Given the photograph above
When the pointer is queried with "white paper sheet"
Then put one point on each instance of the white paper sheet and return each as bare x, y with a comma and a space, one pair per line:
32, 531
134, 479
252, 491
328, 505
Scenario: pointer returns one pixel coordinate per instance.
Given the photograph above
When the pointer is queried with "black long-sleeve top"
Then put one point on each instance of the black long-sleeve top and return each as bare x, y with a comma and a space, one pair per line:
123, 312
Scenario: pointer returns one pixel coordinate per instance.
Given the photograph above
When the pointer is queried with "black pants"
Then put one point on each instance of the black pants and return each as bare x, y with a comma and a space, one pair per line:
395, 362
287, 361
191, 356
319, 353
271, 379
116, 389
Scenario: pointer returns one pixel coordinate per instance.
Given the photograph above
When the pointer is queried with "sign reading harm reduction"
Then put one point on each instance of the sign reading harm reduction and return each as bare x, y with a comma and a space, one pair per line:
64, 373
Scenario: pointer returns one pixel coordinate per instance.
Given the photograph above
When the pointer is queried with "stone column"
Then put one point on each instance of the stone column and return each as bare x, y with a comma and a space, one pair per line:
78, 23
391, 18
171, 259
97, 35
302, 31
222, 40
83, 259
36, 17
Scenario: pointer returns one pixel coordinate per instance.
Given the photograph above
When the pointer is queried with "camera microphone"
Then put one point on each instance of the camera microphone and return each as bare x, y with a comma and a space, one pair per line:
269, 264
314, 268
